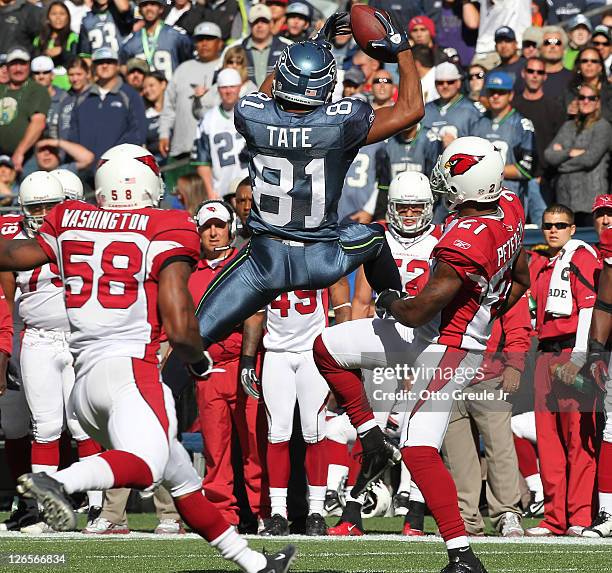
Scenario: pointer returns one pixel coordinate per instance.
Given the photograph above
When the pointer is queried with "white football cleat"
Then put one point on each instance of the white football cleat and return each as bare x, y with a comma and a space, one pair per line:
601, 526
169, 527
511, 525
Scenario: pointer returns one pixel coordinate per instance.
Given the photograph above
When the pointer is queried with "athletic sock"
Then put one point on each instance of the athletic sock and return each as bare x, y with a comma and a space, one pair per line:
91, 474
235, 548
45, 457
316, 499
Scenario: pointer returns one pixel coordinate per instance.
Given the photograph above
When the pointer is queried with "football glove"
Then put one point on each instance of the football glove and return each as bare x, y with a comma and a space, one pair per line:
12, 377
338, 24
596, 366
384, 301
394, 42
248, 377
201, 368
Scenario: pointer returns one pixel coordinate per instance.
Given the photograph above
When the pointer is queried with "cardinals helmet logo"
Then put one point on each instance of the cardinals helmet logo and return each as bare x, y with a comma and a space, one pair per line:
459, 163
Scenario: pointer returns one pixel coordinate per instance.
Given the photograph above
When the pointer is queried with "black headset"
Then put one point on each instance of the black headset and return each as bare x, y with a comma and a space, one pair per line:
233, 223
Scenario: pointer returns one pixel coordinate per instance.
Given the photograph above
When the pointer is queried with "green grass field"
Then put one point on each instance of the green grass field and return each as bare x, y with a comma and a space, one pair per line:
380, 551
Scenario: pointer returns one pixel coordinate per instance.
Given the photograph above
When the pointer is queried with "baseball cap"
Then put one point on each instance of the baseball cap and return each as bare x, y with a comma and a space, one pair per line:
601, 201
580, 20
422, 21
228, 77
354, 76
209, 29
299, 9
42, 64
213, 210
533, 34
499, 81
447, 71
505, 33
137, 64
601, 30
259, 12
6, 160
17, 55
104, 53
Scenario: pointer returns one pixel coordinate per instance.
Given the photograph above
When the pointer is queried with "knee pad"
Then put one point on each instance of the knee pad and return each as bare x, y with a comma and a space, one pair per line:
47, 430
278, 435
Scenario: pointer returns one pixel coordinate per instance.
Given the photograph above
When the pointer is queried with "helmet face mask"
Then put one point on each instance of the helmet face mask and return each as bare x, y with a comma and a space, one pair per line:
410, 189
38, 194
305, 74
470, 169
128, 178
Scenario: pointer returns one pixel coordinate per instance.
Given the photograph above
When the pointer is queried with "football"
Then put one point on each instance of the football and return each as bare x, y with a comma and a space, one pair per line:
366, 27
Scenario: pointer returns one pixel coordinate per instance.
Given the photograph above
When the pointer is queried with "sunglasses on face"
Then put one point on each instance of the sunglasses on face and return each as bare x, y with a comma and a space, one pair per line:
477, 76
40, 73
382, 81
529, 44
587, 98
561, 226
552, 42
532, 71
600, 43
235, 62
589, 61
445, 82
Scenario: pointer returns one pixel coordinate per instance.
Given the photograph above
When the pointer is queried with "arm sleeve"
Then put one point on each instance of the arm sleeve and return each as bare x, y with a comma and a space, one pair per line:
583, 268
516, 324
173, 243
168, 114
6, 326
579, 352
84, 47
555, 158
47, 237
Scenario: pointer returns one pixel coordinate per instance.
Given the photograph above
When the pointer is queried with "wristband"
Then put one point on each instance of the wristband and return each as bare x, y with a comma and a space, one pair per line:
341, 305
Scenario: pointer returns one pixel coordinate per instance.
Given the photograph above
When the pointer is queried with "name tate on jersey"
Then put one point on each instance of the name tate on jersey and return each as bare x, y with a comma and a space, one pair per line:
509, 248
289, 137
104, 220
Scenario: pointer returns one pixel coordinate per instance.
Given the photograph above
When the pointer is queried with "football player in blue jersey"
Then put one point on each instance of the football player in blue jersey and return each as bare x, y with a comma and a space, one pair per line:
106, 26
300, 147
509, 131
163, 47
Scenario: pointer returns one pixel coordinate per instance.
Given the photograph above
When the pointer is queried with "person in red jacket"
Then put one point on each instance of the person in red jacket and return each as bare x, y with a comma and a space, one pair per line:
222, 403
564, 292
485, 406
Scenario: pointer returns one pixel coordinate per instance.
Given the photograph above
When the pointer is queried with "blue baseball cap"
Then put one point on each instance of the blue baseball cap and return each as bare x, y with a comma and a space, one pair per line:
505, 33
496, 80
104, 53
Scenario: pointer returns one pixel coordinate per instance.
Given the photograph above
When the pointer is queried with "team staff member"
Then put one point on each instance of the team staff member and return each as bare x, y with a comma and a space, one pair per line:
564, 293
222, 403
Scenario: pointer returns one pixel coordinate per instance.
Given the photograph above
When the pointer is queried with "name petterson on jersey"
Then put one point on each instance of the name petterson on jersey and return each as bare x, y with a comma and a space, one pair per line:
507, 251
107, 220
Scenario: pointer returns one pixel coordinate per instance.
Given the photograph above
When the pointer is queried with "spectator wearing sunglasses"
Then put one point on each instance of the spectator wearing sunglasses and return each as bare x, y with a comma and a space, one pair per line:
532, 38
383, 89
554, 40
589, 71
579, 33
475, 81
547, 115
600, 40
580, 152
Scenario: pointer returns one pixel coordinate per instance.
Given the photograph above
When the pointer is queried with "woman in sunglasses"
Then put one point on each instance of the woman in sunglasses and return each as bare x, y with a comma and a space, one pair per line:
580, 153
589, 70
475, 81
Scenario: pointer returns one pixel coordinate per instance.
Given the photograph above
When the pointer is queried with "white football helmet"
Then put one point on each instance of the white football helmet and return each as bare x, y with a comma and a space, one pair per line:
128, 177
38, 194
410, 188
377, 500
73, 187
470, 169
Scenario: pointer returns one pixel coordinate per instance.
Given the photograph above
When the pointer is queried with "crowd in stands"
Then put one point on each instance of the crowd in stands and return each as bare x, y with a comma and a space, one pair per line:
533, 76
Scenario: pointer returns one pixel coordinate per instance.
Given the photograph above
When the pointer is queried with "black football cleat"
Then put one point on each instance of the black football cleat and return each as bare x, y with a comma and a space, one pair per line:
315, 525
49, 493
25, 514
463, 567
281, 561
373, 464
277, 525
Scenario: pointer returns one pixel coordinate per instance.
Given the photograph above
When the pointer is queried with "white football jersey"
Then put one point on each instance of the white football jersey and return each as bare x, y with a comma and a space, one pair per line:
218, 144
412, 256
39, 298
110, 263
294, 320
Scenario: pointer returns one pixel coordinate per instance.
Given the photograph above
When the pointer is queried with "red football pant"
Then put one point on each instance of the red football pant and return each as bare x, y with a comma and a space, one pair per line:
223, 405
566, 434
527, 458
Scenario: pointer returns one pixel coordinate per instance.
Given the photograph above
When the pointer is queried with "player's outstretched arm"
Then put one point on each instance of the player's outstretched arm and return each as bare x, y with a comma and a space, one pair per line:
521, 281
408, 109
21, 255
178, 313
439, 291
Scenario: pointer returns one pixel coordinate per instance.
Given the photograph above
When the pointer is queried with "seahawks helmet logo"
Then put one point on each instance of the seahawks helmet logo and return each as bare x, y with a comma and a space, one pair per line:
459, 163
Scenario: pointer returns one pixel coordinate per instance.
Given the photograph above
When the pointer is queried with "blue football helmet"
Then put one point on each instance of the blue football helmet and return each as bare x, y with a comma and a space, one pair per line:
305, 74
